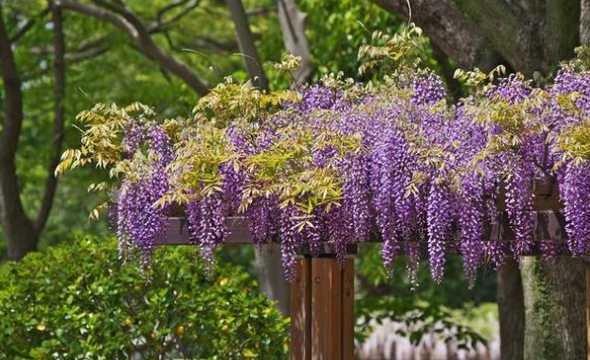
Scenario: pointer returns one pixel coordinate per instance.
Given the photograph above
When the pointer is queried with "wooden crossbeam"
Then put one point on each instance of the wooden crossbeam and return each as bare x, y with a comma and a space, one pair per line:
549, 227
177, 232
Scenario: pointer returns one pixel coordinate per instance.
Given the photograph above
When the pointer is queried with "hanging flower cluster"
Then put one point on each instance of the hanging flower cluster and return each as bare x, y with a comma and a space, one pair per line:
343, 163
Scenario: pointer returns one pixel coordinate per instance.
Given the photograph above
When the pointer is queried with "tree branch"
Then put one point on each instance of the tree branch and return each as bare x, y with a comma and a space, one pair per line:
59, 89
528, 35
71, 59
560, 31
203, 42
89, 53
507, 29
86, 49
101, 14
125, 20
531, 35
27, 26
169, 7
162, 25
123, 11
262, 11
246, 43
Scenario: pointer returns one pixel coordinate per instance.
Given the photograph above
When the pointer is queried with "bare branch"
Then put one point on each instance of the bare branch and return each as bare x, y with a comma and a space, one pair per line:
92, 43
124, 19
100, 14
88, 48
123, 11
203, 42
71, 59
126, 14
86, 54
59, 89
27, 26
169, 7
162, 25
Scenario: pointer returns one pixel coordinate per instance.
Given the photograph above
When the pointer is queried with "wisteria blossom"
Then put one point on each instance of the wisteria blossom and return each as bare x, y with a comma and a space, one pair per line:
342, 163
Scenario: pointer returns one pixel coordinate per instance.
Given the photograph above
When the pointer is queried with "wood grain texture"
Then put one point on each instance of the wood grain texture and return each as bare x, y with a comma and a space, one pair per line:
176, 232
549, 228
326, 309
348, 319
301, 311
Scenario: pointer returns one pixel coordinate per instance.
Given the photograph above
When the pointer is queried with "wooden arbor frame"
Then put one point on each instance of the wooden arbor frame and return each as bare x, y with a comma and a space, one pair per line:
322, 294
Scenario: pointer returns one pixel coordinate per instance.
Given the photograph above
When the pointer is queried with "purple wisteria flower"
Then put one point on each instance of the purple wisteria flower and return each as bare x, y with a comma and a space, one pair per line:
400, 164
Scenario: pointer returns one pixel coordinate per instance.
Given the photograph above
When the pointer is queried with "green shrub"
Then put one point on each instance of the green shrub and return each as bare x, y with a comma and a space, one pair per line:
78, 301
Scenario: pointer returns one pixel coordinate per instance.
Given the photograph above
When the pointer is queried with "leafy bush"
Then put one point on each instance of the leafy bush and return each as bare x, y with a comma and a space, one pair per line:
80, 302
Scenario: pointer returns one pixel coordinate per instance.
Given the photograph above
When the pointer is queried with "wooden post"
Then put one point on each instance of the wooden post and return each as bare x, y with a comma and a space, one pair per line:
301, 311
322, 302
348, 319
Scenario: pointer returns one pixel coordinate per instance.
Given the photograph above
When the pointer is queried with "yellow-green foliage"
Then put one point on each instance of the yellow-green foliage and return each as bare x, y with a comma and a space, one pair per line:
284, 169
101, 144
575, 141
582, 60
477, 80
101, 137
406, 49
230, 101
195, 172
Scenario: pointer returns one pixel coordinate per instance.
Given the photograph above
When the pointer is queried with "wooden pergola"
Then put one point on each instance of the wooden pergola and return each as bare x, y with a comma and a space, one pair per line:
322, 294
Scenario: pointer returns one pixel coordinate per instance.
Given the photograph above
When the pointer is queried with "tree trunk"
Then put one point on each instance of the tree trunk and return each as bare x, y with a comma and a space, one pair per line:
585, 22
511, 311
18, 228
555, 302
270, 275
20, 241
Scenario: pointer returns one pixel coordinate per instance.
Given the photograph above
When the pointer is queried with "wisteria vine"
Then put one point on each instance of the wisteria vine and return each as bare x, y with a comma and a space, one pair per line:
341, 163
